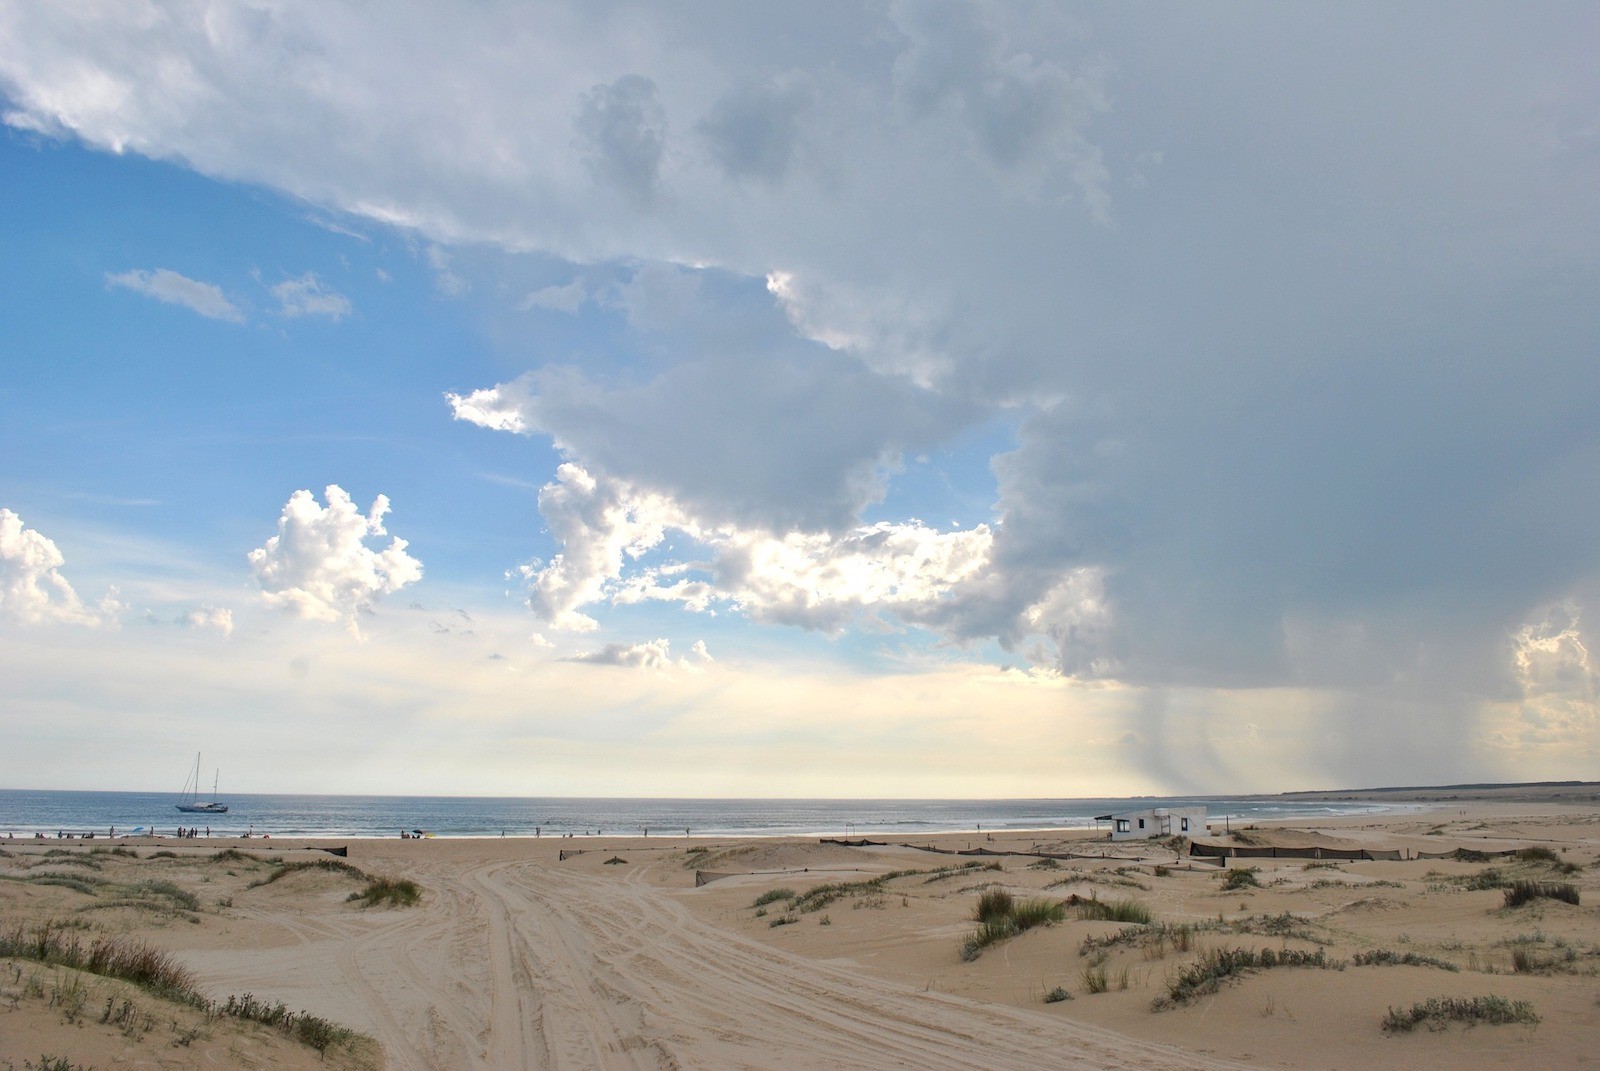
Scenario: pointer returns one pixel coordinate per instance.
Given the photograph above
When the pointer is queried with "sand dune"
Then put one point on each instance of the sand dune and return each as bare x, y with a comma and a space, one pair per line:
614, 958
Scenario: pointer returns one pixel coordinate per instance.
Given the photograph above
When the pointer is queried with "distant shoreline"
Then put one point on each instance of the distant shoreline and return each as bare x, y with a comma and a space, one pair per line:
1524, 791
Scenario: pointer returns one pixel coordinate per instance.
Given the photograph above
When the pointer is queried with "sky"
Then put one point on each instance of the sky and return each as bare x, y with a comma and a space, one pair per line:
843, 399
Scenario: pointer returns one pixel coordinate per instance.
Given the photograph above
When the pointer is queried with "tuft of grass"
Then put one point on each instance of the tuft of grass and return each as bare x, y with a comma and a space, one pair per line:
1216, 965
1438, 1012
1057, 995
1241, 878
309, 1030
1383, 957
400, 892
1001, 916
783, 920
157, 972
1523, 892
1094, 979
87, 886
1114, 911
60, 858
994, 904
1537, 855
774, 895
231, 855
338, 866
988, 933
111, 957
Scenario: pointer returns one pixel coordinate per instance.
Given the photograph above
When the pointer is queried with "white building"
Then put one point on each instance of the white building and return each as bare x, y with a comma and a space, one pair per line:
1156, 822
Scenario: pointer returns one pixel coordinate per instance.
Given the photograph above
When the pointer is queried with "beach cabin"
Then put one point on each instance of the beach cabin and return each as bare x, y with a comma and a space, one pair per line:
1156, 822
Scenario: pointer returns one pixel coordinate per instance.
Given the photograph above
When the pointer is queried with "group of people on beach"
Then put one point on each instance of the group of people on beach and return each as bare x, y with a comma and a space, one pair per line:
184, 834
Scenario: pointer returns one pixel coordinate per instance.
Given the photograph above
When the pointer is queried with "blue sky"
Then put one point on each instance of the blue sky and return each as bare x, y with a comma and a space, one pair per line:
907, 399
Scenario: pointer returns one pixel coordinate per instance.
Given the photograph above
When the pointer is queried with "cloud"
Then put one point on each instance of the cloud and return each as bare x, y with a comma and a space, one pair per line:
622, 130
568, 298
206, 299
318, 565
310, 296
445, 277
1288, 315
652, 654
219, 618
754, 130
32, 589
908, 573
785, 434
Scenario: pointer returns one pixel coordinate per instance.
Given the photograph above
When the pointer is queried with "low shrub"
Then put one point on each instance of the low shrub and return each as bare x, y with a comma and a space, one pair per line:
1383, 957
1113, 910
772, 895
1440, 1011
1057, 995
1001, 916
1241, 878
1523, 892
401, 892
337, 866
1216, 965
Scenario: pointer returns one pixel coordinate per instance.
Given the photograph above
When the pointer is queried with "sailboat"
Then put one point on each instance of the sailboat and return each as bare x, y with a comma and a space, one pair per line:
190, 801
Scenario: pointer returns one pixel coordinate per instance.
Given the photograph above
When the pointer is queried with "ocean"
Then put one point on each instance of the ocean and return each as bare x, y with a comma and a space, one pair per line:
24, 813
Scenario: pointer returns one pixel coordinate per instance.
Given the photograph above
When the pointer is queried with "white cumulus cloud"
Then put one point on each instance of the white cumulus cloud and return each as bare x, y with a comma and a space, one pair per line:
32, 589
207, 299
319, 566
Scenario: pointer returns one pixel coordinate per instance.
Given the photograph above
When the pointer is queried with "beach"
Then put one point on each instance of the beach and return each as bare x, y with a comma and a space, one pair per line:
673, 952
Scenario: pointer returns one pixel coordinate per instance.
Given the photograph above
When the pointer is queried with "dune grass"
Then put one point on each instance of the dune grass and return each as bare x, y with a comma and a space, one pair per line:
774, 895
1437, 1012
1384, 957
1001, 916
112, 957
337, 866
1524, 892
398, 892
1216, 965
1113, 911
1241, 878
134, 961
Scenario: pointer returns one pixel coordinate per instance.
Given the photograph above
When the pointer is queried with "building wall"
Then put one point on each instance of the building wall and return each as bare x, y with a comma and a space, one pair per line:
1158, 822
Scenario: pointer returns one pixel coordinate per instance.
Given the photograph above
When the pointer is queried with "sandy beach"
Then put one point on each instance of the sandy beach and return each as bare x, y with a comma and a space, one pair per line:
655, 953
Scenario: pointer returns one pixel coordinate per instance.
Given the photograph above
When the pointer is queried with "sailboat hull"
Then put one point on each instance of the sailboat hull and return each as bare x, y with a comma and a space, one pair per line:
202, 808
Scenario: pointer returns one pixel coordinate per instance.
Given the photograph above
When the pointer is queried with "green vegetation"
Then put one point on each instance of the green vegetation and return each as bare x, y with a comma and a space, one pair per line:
61, 858
1383, 957
1523, 892
1094, 908
232, 855
157, 972
338, 866
400, 892
1216, 965
1440, 1011
1240, 878
1001, 916
773, 895
1057, 995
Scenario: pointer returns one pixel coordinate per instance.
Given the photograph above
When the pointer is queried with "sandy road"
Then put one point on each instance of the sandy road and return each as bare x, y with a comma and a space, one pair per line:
528, 964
